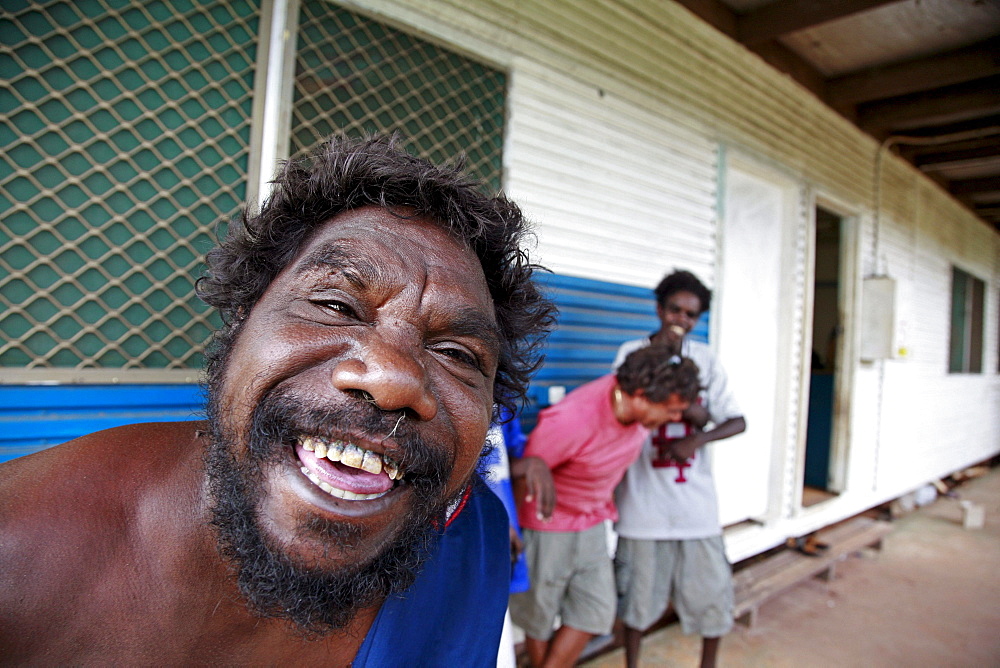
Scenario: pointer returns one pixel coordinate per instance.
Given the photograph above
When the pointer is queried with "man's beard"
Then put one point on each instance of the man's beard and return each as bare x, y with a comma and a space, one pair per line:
274, 585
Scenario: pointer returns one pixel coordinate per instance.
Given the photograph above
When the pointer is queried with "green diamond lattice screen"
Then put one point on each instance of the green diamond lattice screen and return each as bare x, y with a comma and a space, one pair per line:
124, 134
355, 75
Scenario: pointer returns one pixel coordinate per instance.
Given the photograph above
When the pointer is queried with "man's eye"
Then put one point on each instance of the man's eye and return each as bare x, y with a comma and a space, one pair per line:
336, 306
460, 355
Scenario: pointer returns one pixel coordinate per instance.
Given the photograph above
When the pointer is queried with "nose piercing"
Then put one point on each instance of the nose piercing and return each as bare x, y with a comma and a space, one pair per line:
398, 422
367, 397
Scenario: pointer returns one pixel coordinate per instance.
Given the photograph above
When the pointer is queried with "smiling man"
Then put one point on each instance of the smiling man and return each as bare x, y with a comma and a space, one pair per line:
671, 546
328, 511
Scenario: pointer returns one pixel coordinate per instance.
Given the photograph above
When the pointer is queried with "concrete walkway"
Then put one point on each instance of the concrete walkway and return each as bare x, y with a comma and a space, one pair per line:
930, 598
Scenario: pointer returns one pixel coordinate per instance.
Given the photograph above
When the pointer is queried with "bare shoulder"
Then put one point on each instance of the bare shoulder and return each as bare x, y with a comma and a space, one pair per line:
68, 510
82, 478
101, 455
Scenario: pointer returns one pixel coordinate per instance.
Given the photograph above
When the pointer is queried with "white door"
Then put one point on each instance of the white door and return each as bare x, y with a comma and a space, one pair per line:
752, 327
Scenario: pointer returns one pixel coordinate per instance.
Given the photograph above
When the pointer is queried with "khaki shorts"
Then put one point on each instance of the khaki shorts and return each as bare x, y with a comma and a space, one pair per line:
695, 574
572, 578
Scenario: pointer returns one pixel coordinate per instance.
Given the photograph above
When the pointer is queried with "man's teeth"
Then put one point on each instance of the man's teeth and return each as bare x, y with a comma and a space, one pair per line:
351, 455
371, 462
391, 469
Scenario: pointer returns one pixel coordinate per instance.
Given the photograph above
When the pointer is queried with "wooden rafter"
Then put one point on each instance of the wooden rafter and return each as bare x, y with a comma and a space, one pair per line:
785, 16
936, 107
944, 69
947, 102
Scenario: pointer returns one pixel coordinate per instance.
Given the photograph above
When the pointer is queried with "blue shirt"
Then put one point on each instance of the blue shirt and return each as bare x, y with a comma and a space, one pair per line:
453, 613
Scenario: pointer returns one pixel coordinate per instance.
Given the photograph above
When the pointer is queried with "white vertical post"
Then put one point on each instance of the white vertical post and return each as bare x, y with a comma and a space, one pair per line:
270, 126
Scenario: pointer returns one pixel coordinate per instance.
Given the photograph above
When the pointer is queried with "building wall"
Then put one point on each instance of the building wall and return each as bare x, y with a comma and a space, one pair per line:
617, 193
621, 113
625, 119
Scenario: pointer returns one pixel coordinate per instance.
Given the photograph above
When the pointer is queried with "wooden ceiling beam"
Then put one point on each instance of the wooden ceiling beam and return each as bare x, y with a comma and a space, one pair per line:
784, 16
943, 159
945, 69
990, 211
714, 13
933, 108
986, 189
949, 103
773, 52
972, 129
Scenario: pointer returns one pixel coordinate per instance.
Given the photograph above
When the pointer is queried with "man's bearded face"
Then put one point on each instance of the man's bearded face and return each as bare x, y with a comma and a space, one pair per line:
350, 410
272, 582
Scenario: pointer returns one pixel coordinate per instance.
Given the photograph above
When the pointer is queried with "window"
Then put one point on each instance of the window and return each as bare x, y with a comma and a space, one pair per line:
124, 139
354, 75
966, 348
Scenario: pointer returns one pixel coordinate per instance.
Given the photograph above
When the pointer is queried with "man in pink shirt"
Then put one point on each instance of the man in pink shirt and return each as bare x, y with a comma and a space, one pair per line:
575, 456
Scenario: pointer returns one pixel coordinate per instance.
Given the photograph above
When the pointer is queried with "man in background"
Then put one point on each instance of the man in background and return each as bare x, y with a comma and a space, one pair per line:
670, 542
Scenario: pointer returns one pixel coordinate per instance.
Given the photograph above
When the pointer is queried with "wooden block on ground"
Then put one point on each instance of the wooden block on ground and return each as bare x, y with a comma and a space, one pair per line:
759, 582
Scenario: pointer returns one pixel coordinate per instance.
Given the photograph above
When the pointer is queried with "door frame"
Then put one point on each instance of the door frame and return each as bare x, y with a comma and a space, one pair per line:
845, 363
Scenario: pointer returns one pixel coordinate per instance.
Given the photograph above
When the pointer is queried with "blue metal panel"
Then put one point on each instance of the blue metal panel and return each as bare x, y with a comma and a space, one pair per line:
34, 417
819, 430
595, 318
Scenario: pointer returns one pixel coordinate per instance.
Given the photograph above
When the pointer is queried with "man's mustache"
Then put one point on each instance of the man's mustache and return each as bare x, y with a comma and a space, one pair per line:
280, 418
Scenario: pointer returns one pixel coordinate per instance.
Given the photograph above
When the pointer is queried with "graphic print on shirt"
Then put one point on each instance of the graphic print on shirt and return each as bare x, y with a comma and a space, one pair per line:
662, 439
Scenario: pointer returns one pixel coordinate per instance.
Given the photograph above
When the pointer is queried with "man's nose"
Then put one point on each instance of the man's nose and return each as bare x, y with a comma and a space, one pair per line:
391, 373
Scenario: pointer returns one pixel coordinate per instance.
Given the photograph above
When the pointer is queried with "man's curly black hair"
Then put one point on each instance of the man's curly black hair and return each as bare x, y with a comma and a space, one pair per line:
345, 174
679, 281
659, 373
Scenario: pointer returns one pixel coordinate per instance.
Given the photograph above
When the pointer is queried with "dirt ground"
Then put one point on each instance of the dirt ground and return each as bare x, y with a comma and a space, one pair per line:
931, 597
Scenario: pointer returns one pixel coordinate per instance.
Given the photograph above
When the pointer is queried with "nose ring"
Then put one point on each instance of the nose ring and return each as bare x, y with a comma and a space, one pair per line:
365, 396
398, 422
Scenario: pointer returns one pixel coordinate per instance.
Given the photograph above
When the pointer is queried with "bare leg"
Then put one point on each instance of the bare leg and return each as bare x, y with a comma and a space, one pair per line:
709, 651
537, 649
632, 640
566, 646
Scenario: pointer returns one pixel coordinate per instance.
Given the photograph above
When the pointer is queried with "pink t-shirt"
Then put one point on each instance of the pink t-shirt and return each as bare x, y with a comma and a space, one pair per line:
587, 450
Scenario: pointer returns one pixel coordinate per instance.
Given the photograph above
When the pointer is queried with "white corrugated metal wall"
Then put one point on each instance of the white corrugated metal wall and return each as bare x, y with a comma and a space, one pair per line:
618, 194
608, 100
933, 421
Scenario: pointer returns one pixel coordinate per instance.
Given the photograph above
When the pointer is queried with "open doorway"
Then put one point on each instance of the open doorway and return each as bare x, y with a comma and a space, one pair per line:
827, 340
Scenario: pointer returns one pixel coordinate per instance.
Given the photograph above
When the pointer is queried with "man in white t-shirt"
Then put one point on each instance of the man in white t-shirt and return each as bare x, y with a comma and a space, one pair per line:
670, 541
